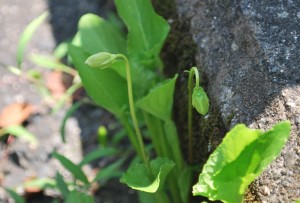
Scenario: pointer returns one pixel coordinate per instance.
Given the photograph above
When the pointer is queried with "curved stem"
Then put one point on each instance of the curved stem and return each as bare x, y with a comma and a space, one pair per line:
132, 110
193, 72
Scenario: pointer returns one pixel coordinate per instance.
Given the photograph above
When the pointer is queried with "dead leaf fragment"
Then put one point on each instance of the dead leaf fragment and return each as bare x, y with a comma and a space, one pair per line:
15, 114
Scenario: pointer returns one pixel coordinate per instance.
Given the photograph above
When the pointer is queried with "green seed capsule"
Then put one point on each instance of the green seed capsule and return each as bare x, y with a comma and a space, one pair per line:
101, 60
200, 100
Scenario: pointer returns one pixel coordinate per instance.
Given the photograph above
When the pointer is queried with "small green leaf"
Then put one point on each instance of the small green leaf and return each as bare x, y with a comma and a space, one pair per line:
96, 154
51, 63
159, 101
200, 100
62, 185
109, 171
40, 183
19, 131
15, 196
79, 197
70, 166
137, 176
27, 34
147, 31
238, 160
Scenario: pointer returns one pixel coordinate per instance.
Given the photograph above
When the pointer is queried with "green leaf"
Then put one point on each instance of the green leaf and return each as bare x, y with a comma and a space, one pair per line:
70, 166
17, 198
19, 131
68, 114
147, 31
40, 183
109, 171
97, 35
27, 34
51, 63
137, 176
62, 185
159, 101
78, 197
96, 154
105, 86
240, 158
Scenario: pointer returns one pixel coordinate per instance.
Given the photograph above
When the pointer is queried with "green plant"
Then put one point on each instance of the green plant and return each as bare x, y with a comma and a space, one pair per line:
240, 158
197, 99
137, 69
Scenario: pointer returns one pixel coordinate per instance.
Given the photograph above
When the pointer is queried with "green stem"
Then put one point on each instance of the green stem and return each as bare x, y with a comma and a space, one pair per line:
193, 72
132, 111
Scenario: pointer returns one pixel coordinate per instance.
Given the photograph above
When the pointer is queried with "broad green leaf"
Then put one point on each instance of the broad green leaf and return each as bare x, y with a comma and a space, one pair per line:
17, 198
62, 185
68, 114
27, 35
70, 166
40, 183
109, 171
240, 158
106, 87
98, 35
19, 131
159, 101
137, 176
96, 154
51, 63
79, 197
147, 31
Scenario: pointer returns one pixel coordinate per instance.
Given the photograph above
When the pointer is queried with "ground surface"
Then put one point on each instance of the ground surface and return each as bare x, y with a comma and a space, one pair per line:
18, 160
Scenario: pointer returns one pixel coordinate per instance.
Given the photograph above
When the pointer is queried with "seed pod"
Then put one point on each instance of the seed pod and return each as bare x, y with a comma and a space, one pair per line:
101, 60
200, 100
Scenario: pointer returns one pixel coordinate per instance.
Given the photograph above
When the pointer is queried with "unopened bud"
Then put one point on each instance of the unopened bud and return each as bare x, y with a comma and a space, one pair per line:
101, 60
200, 100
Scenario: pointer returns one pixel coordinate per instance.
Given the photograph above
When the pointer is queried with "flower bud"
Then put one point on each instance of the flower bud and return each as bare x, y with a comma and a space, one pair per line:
101, 60
200, 100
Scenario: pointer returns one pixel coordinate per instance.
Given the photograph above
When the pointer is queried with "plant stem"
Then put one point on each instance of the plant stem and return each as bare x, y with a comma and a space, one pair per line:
132, 111
193, 72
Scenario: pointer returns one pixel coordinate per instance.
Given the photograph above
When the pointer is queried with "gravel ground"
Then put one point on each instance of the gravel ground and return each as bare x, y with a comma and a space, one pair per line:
20, 161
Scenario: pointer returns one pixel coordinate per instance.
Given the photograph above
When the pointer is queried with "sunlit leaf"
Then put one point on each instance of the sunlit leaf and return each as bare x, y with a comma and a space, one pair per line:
27, 35
147, 31
40, 183
51, 63
19, 131
241, 157
137, 176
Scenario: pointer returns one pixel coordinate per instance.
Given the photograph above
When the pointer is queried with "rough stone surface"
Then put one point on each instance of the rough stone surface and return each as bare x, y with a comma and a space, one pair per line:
249, 54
